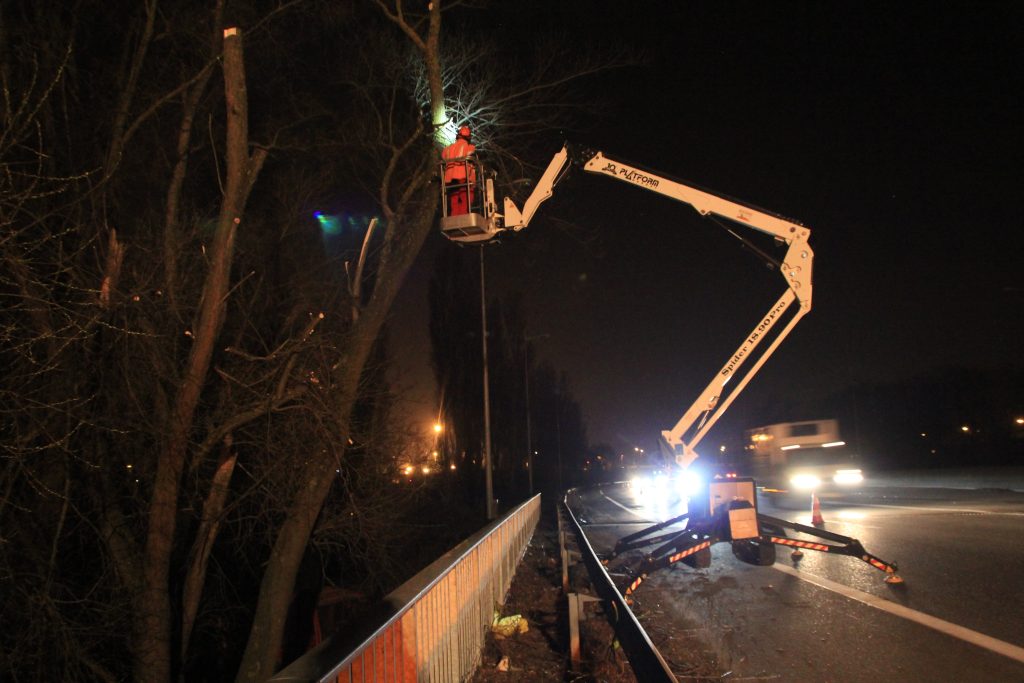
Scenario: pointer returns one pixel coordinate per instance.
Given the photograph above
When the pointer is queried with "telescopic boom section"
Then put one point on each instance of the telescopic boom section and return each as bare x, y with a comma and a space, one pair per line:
795, 267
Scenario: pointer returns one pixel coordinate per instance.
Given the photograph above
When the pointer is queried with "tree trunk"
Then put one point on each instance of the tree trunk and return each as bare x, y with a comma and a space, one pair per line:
153, 617
262, 650
199, 558
407, 228
117, 139
172, 236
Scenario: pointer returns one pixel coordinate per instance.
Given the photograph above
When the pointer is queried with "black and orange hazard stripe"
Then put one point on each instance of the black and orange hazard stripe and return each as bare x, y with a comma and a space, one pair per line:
878, 564
636, 584
671, 559
853, 548
801, 544
689, 551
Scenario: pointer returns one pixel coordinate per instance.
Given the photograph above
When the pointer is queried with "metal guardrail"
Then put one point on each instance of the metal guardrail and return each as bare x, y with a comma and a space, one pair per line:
432, 627
647, 662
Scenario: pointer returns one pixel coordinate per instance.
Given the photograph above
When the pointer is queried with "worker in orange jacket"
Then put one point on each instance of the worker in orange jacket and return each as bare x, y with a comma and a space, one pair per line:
459, 173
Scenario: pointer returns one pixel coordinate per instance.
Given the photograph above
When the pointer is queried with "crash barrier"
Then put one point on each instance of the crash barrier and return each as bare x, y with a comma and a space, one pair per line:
644, 658
432, 627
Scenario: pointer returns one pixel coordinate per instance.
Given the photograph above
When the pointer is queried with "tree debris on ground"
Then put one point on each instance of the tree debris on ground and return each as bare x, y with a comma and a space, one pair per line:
540, 651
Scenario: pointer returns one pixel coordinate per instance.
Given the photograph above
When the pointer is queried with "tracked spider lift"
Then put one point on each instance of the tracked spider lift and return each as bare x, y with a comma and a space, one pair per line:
732, 516
727, 510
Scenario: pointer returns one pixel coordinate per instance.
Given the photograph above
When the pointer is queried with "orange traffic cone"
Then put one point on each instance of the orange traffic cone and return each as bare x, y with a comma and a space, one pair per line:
816, 518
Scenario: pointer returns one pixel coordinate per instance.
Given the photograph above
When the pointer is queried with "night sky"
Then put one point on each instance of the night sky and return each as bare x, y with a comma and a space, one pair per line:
893, 134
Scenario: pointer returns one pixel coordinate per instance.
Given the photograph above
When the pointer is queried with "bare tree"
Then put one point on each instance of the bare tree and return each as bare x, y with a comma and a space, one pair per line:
407, 200
153, 627
188, 368
68, 269
408, 203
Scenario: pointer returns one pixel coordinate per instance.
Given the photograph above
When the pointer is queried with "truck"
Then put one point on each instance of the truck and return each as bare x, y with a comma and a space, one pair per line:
791, 460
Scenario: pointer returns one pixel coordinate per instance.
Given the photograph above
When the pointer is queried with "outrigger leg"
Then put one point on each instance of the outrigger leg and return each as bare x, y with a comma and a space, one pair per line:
849, 546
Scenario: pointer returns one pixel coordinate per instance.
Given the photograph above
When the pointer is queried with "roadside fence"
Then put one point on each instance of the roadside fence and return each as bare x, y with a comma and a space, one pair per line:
432, 627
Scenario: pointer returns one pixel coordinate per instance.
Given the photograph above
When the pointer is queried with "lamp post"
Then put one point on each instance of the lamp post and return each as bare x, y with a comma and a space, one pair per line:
529, 440
489, 477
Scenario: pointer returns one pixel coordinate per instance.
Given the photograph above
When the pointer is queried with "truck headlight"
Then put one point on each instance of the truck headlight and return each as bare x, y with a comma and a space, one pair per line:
848, 477
805, 482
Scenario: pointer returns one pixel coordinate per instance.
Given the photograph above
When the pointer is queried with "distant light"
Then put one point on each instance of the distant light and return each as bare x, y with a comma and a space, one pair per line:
438, 428
1020, 420
721, 449
790, 448
408, 469
452, 467
426, 470
923, 435
848, 477
833, 444
805, 481
965, 429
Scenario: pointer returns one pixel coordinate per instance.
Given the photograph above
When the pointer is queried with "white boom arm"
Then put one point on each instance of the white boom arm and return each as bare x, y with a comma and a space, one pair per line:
796, 268
514, 219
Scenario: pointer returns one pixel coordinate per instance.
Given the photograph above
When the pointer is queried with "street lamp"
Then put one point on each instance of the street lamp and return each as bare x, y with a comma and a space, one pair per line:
489, 477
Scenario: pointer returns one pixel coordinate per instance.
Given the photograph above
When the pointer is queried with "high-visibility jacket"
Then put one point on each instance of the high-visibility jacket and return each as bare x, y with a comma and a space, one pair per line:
456, 172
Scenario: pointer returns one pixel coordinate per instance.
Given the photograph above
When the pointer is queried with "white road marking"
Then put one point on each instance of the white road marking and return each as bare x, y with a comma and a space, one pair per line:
647, 520
967, 635
629, 510
951, 510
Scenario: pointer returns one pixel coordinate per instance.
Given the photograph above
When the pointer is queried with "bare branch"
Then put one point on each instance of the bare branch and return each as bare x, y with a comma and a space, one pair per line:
398, 16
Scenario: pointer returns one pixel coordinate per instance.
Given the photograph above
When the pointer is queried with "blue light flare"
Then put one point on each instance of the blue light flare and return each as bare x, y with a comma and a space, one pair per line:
329, 224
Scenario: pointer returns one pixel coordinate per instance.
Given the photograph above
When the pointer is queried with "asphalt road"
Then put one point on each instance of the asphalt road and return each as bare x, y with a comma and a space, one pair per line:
959, 615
